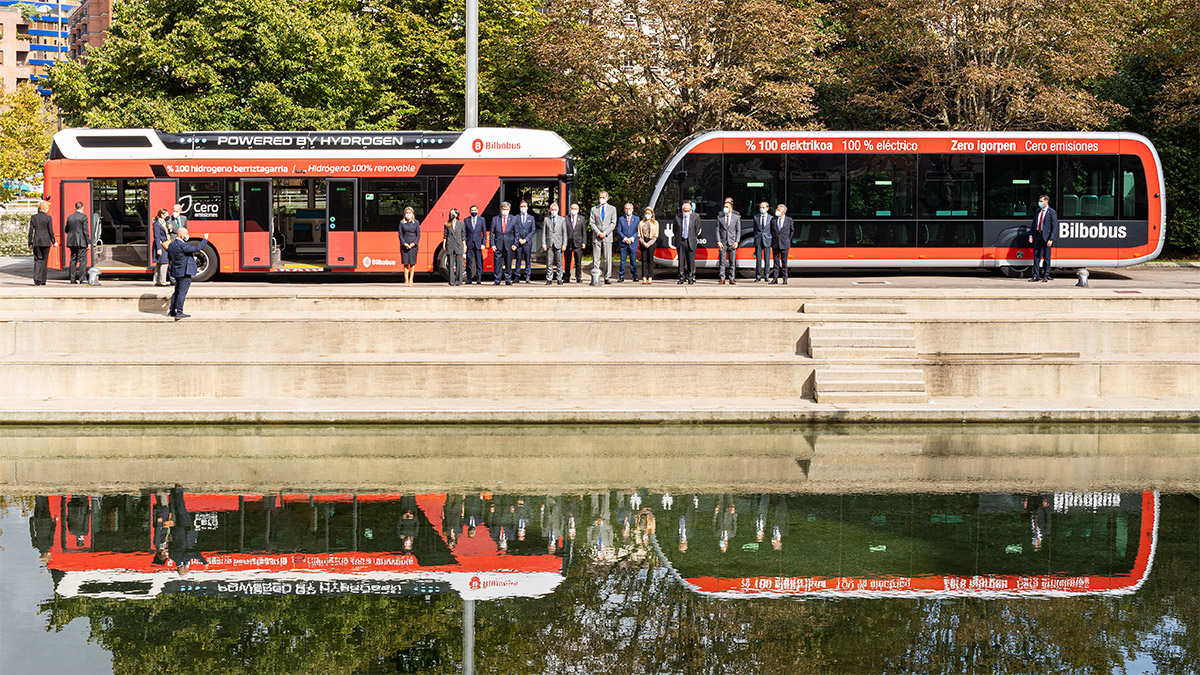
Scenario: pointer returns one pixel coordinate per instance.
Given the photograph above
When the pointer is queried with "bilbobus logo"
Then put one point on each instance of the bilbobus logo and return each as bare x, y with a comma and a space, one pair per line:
366, 261
477, 145
1069, 230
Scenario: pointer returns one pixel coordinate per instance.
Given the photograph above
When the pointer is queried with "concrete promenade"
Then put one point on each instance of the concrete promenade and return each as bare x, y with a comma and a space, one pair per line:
880, 347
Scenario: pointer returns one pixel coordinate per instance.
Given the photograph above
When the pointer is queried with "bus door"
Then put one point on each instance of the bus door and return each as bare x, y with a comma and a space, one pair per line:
341, 223
540, 194
75, 191
163, 194
258, 226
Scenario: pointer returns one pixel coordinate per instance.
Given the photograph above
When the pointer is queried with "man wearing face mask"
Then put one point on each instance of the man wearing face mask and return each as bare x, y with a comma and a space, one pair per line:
1045, 224
182, 257
504, 245
729, 228
782, 228
475, 227
686, 225
525, 228
603, 220
576, 238
554, 243
627, 233
762, 242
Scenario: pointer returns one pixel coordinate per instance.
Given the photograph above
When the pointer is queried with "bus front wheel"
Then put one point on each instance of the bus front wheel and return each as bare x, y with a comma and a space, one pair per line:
1017, 271
206, 264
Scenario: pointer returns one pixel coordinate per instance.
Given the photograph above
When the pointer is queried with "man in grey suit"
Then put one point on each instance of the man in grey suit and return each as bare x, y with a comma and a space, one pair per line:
554, 243
176, 220
729, 228
456, 247
603, 220
686, 226
762, 242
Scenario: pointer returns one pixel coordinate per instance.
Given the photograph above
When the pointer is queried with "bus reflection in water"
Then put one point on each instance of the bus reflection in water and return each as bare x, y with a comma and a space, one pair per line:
484, 545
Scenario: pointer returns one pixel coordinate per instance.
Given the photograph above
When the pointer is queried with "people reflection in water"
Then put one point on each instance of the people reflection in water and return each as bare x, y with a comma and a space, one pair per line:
687, 520
600, 537
522, 516
725, 519
1039, 512
474, 507
779, 524
552, 524
181, 535
407, 526
41, 528
452, 518
79, 518
760, 519
646, 525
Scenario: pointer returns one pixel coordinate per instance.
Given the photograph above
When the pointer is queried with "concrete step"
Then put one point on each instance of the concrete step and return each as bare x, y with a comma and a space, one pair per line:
824, 339
852, 355
868, 397
828, 385
847, 374
864, 329
853, 307
284, 335
506, 378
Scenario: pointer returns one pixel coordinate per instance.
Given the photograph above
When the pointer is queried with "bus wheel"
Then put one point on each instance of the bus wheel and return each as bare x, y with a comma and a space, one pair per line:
1017, 271
206, 264
441, 263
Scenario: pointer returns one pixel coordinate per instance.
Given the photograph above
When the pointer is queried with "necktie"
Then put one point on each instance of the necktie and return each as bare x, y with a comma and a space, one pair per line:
1041, 216
602, 215
504, 225
685, 225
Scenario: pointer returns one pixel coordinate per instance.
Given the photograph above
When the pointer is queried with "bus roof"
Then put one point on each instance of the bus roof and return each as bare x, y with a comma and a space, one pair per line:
486, 143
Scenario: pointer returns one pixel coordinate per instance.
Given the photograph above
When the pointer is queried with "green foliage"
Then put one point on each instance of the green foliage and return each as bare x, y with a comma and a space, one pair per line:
26, 123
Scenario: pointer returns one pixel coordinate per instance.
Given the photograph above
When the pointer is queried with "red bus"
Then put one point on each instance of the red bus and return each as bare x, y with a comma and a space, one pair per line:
294, 544
295, 201
922, 199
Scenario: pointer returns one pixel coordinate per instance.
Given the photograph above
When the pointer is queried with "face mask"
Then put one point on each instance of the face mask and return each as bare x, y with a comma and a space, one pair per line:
603, 200
726, 210
762, 209
524, 210
1044, 206
647, 216
574, 212
474, 213
504, 212
185, 238
778, 213
629, 212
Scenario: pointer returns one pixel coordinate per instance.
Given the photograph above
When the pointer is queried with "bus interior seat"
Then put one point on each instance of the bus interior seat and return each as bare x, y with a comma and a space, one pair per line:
1089, 205
1070, 205
1107, 208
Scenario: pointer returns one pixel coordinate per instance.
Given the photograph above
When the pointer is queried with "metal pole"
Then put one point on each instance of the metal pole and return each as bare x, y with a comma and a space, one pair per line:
472, 116
468, 635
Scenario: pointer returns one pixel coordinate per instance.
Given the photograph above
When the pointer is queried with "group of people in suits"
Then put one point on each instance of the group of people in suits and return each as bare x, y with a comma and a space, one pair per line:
772, 241
166, 224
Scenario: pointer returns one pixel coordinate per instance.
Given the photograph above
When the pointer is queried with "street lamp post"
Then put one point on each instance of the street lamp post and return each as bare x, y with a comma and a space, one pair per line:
472, 112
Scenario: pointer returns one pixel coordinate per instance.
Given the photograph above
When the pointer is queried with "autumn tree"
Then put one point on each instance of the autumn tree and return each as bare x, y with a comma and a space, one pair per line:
633, 78
26, 125
983, 64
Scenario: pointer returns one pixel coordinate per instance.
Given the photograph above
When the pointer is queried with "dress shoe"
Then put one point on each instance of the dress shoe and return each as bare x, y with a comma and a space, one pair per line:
772, 282
785, 282
691, 281
1034, 279
181, 315
495, 283
560, 282
508, 283
1045, 279
732, 282
548, 282
680, 282
171, 314
720, 282
607, 282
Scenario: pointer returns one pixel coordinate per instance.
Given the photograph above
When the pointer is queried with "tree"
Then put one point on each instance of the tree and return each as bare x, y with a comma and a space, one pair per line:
643, 75
26, 127
983, 64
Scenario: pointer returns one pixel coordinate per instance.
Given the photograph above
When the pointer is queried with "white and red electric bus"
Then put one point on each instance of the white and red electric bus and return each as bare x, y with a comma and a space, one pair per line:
295, 201
922, 199
294, 544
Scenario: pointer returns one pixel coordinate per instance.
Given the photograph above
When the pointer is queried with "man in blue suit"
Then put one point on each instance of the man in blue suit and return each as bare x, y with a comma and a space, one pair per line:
526, 226
504, 245
1045, 224
182, 257
627, 238
475, 227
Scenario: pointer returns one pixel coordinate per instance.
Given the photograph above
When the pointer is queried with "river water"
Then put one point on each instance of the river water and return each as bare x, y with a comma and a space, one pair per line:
631, 550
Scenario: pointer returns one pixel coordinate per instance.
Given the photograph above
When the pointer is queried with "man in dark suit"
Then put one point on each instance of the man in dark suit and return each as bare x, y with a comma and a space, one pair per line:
1045, 224
729, 230
782, 229
576, 239
762, 242
183, 265
686, 225
627, 237
77, 241
504, 245
181, 547
525, 227
41, 238
475, 226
